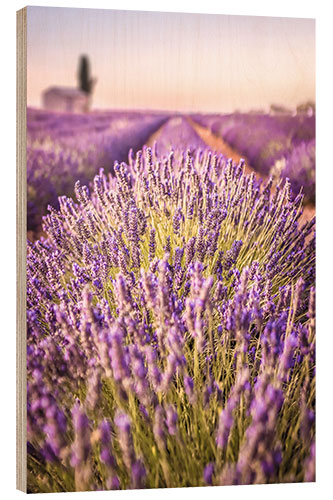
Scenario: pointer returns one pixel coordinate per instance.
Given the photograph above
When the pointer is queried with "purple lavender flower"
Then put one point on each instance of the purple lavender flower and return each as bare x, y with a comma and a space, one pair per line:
138, 475
81, 447
125, 438
189, 389
171, 419
208, 473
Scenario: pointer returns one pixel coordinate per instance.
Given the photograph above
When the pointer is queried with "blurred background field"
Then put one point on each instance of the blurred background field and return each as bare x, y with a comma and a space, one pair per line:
65, 147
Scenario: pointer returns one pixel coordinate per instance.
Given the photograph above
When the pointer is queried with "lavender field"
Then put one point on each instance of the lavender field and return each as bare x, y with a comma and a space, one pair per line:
170, 301
63, 148
283, 145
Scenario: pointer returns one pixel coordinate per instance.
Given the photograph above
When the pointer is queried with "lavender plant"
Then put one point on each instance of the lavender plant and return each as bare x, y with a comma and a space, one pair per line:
171, 331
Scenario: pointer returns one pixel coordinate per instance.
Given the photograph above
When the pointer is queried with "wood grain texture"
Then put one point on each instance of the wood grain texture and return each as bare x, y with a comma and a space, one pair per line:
21, 228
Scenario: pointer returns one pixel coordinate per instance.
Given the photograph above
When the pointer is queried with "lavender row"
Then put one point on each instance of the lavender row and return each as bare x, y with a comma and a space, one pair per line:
267, 141
63, 148
179, 135
171, 331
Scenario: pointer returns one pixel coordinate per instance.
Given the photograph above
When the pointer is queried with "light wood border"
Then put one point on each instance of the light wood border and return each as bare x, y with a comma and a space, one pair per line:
21, 238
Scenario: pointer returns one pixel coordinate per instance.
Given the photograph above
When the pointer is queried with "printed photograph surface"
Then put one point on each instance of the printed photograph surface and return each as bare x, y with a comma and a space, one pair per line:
170, 250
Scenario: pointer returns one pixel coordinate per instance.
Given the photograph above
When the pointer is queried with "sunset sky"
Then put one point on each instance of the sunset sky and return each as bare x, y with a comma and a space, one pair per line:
176, 62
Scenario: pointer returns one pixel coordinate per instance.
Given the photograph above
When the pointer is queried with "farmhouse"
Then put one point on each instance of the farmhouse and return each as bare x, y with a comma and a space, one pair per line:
65, 99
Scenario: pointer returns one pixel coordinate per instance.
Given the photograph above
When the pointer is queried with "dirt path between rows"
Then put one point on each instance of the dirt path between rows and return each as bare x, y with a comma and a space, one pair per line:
219, 145
213, 142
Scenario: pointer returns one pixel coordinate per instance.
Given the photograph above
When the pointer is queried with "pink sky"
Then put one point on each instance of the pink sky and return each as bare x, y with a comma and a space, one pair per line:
177, 62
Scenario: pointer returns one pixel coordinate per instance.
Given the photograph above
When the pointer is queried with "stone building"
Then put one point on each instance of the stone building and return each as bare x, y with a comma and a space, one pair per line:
66, 99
